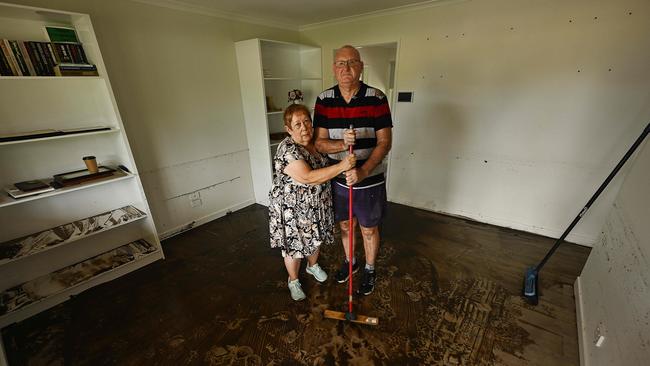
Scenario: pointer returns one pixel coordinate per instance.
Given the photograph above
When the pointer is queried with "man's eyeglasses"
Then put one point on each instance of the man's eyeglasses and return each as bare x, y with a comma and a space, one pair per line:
343, 63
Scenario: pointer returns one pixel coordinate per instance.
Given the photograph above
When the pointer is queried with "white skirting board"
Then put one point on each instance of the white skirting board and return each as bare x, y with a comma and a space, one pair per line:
205, 219
580, 239
577, 293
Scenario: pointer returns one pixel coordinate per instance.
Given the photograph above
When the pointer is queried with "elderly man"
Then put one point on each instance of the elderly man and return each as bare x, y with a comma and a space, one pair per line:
352, 102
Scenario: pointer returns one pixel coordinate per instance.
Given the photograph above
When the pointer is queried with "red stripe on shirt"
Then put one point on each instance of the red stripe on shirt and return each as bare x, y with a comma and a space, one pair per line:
353, 112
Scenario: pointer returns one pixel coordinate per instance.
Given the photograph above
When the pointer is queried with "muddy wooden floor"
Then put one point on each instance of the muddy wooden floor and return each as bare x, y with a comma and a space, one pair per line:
447, 294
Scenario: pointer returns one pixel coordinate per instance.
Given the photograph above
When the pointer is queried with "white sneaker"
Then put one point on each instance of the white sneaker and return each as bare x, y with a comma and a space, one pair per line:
317, 272
296, 290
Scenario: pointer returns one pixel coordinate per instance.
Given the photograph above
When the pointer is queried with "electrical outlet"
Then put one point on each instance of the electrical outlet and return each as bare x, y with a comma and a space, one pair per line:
196, 202
599, 335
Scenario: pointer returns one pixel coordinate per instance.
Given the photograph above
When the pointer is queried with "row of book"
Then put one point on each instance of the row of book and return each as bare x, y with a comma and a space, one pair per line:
31, 58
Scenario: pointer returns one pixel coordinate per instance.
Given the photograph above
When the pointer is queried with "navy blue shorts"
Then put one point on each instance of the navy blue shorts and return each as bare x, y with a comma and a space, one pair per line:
368, 206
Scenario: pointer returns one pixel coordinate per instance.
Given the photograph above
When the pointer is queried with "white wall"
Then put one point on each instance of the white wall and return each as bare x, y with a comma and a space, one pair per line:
614, 300
503, 129
175, 78
517, 117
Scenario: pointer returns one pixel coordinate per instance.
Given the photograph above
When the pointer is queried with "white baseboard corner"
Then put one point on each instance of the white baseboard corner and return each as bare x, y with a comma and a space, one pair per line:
205, 219
577, 293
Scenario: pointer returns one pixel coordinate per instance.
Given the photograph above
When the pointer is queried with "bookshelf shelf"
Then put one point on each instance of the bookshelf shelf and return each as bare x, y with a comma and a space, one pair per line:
45, 240
49, 77
300, 68
75, 278
119, 175
70, 135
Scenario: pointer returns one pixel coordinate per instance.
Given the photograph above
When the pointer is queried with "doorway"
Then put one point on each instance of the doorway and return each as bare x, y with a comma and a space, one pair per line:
379, 67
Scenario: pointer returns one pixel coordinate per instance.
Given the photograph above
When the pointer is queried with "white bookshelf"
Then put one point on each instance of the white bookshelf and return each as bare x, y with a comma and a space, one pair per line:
271, 69
32, 103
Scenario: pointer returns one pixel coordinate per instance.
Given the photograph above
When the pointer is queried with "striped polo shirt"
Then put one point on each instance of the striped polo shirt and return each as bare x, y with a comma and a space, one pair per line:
368, 112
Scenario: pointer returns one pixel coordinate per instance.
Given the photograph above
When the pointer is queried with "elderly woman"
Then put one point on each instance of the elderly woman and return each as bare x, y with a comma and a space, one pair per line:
300, 209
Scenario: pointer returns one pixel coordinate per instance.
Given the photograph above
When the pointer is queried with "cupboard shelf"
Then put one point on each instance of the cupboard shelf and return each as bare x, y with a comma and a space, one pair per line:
42, 241
68, 279
119, 175
69, 135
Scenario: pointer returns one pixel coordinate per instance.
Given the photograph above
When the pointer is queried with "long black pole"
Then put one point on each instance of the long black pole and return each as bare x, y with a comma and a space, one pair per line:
594, 197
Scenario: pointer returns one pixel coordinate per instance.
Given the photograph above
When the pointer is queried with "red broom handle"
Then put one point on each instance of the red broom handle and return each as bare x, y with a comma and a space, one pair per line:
350, 237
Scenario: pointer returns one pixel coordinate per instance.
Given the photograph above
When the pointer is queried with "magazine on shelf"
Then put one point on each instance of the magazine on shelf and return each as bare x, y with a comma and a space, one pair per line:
31, 188
81, 176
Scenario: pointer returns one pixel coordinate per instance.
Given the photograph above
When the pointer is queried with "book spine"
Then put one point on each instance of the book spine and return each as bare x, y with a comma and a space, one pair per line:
5, 69
42, 49
19, 57
39, 51
82, 54
51, 53
57, 53
27, 58
68, 55
61, 52
38, 63
72, 51
6, 48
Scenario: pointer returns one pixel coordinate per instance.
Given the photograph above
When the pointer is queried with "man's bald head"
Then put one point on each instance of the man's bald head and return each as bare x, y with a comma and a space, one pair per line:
347, 48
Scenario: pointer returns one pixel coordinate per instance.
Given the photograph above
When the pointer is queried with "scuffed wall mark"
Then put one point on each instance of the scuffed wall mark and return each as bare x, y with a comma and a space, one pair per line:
621, 238
204, 188
228, 154
180, 230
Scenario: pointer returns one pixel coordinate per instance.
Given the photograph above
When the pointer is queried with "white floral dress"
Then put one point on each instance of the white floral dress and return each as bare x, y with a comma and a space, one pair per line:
301, 217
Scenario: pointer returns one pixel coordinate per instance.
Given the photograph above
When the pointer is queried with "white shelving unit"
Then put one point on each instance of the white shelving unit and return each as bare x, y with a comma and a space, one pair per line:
102, 234
271, 69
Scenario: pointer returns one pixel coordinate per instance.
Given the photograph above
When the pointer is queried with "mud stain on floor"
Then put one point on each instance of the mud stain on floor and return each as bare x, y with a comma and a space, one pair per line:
447, 294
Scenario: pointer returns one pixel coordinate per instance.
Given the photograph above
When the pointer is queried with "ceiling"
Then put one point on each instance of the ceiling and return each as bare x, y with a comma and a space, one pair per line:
289, 13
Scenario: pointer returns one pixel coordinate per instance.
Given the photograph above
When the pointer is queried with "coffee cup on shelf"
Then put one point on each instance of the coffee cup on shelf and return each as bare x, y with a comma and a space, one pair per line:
91, 164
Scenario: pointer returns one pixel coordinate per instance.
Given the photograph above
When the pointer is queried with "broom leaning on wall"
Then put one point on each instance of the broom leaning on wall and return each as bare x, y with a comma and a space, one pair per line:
531, 278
